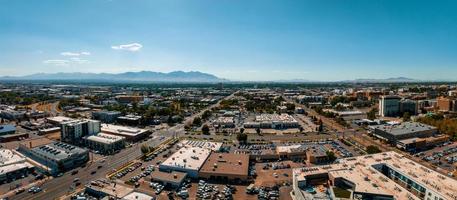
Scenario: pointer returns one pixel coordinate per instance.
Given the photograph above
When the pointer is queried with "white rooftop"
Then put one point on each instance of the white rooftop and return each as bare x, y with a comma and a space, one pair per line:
360, 171
60, 119
105, 138
9, 161
188, 158
122, 130
137, 196
214, 146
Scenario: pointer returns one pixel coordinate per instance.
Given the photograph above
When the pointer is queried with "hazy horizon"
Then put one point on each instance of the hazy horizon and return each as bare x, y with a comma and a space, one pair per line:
234, 40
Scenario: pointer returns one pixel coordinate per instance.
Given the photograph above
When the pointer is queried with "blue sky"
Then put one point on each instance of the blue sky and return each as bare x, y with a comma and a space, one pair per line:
238, 40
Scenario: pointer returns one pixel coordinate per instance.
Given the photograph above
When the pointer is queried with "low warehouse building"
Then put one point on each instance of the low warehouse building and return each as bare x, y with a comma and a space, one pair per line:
226, 166
187, 159
172, 179
12, 166
55, 157
406, 130
131, 134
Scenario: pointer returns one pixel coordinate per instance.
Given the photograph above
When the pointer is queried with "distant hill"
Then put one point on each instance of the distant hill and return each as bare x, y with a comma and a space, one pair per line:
142, 76
387, 80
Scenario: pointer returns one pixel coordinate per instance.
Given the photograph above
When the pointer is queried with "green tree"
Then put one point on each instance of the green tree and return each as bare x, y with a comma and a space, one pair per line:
406, 116
242, 137
206, 114
331, 156
241, 130
257, 130
145, 149
371, 115
372, 149
205, 129
197, 121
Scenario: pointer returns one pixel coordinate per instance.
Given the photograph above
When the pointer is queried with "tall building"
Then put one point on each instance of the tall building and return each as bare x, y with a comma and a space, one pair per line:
408, 106
444, 104
73, 131
389, 106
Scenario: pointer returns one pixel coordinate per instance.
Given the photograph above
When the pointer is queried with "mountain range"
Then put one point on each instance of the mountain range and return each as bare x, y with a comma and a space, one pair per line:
141, 76
173, 77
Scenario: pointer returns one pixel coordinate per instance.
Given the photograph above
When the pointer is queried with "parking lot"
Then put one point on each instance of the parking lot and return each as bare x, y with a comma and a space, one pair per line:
444, 156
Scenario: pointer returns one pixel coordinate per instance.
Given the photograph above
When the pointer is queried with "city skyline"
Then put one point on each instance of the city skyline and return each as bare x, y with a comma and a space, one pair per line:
240, 41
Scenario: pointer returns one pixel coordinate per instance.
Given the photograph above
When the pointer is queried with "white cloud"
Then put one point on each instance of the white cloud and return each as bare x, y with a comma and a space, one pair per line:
57, 62
79, 60
128, 47
83, 53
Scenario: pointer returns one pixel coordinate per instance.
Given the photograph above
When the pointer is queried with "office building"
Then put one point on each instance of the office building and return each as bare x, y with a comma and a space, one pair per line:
389, 106
54, 157
187, 159
273, 121
106, 116
73, 131
224, 122
173, 179
105, 143
226, 167
131, 120
445, 104
417, 144
405, 130
125, 99
387, 175
131, 134
408, 106
59, 120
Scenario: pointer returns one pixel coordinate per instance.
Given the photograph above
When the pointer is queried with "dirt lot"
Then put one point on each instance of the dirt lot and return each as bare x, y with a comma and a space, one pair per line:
53, 136
266, 177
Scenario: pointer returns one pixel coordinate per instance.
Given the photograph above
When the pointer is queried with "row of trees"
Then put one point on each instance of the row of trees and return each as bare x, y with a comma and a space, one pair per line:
18, 98
444, 125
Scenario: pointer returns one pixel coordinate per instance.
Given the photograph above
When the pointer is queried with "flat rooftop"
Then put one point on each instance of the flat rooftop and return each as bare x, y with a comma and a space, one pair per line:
58, 150
360, 171
7, 128
122, 130
35, 142
105, 138
188, 158
10, 161
108, 188
404, 128
137, 196
174, 176
60, 119
226, 163
214, 146
274, 118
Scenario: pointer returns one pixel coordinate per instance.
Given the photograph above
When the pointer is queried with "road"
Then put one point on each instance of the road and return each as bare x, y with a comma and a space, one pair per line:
60, 186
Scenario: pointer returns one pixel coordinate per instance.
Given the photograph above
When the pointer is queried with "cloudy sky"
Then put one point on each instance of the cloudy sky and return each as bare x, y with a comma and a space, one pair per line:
237, 40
